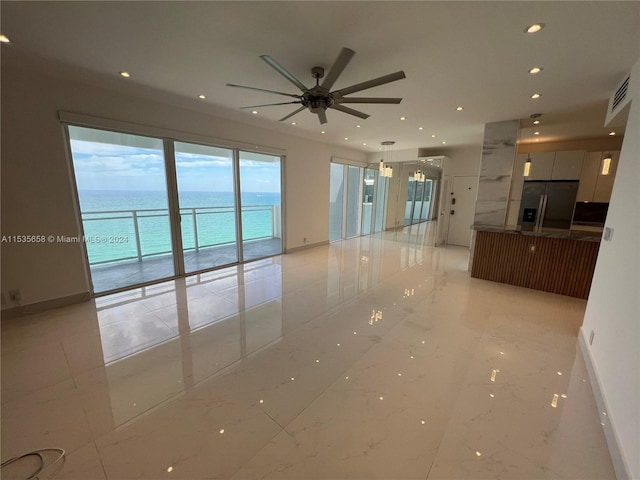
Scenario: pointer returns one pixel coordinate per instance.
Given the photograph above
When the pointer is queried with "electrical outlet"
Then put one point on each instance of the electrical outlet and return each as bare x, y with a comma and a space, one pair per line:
15, 295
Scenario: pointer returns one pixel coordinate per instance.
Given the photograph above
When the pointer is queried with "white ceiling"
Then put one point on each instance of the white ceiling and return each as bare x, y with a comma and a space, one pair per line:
473, 54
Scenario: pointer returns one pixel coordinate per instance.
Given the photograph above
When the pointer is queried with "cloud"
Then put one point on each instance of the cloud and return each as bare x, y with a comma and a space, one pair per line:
203, 163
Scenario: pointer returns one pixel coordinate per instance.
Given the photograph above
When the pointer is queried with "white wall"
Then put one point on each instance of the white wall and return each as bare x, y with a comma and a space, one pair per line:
613, 308
36, 183
463, 161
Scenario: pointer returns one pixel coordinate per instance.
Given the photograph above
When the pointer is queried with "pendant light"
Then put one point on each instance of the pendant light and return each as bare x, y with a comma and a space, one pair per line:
606, 164
419, 176
527, 166
386, 170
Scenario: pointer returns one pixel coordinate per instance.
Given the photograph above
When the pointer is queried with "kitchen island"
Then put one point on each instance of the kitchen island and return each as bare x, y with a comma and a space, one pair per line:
556, 262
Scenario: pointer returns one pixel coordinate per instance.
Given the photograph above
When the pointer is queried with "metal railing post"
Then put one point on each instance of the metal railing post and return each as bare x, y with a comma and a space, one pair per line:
195, 230
137, 232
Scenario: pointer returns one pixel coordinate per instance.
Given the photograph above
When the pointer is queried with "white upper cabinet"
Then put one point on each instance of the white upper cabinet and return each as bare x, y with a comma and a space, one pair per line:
555, 165
589, 176
541, 166
568, 165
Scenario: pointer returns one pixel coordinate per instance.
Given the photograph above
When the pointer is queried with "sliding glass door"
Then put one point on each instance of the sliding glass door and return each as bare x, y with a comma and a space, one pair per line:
152, 209
260, 192
380, 199
122, 192
336, 202
419, 201
368, 205
354, 195
427, 204
206, 193
417, 204
357, 201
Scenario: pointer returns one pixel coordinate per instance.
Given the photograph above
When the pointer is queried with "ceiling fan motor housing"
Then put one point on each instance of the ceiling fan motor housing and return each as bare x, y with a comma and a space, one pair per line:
317, 99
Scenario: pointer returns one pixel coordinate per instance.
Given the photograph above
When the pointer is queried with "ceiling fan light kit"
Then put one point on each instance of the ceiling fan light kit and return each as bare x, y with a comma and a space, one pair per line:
320, 97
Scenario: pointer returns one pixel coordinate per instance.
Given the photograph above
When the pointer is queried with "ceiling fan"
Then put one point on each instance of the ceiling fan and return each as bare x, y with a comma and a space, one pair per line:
320, 97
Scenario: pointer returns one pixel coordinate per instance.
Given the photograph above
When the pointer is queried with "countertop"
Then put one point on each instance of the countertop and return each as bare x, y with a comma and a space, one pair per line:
584, 236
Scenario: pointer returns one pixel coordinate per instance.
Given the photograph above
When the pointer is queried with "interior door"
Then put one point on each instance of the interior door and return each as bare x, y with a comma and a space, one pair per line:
443, 211
462, 210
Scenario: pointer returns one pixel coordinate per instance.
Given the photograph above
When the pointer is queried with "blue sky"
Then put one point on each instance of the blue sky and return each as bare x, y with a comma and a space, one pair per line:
103, 166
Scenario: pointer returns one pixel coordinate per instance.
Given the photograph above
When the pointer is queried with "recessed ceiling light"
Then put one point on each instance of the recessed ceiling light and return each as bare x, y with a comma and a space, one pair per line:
403, 118
535, 28
444, 143
459, 109
535, 70
536, 122
357, 126
125, 74
4, 39
202, 97
293, 123
346, 138
420, 128
536, 133
255, 112
536, 95
611, 134
433, 136
322, 132
364, 144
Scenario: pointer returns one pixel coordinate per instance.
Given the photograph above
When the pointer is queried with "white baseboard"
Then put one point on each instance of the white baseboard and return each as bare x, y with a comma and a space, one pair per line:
44, 306
617, 457
304, 247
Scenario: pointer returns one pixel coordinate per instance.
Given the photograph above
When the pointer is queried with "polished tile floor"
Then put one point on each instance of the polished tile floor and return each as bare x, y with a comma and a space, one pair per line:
373, 358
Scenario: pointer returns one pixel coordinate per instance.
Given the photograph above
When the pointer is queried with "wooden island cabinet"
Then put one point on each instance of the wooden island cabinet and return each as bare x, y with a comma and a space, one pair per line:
561, 263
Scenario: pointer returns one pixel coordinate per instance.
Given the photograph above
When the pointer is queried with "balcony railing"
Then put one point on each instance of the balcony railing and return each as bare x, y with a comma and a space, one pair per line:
122, 235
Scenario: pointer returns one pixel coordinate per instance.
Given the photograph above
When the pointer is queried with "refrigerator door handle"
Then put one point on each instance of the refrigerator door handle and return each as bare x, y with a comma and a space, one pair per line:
543, 211
536, 226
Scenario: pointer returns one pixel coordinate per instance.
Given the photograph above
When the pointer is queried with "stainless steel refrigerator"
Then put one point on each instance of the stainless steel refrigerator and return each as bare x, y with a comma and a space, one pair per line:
547, 204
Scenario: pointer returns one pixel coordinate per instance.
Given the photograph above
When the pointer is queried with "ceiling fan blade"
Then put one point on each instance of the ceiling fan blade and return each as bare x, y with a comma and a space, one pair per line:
345, 56
368, 100
292, 114
283, 71
348, 110
263, 90
392, 77
322, 116
269, 105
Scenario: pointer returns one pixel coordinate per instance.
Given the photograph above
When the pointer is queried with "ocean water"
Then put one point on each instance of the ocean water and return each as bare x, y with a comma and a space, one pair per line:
111, 226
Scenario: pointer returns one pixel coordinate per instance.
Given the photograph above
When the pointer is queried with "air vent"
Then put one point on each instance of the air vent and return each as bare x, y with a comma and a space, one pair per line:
620, 100
620, 94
